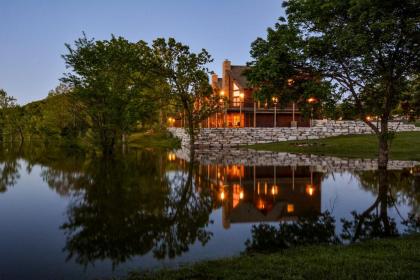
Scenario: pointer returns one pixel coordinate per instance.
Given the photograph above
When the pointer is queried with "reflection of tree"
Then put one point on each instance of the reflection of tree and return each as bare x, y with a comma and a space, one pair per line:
9, 169
308, 230
374, 221
129, 208
391, 187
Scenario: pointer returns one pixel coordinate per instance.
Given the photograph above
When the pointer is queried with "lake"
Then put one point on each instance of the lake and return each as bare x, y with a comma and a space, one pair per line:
64, 215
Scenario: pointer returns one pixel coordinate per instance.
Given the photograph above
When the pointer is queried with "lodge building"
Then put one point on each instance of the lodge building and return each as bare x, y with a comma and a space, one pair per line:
243, 110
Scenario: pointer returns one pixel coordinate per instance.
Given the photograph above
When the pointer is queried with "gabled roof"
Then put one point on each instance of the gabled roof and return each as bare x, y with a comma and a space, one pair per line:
236, 72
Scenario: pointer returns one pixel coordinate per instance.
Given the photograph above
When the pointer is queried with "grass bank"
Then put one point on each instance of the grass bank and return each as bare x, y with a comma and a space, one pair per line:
397, 258
405, 146
153, 139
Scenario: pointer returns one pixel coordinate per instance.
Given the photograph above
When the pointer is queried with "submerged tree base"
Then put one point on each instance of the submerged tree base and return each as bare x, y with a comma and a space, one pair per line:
396, 258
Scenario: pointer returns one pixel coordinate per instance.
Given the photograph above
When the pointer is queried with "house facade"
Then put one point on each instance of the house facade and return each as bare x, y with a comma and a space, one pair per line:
243, 110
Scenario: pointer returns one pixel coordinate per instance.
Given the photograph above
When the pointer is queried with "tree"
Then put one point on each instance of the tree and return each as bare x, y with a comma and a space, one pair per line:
111, 79
368, 48
410, 103
6, 102
188, 78
279, 69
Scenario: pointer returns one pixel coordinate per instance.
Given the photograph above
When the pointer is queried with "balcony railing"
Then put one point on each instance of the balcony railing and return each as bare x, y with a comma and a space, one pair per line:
248, 106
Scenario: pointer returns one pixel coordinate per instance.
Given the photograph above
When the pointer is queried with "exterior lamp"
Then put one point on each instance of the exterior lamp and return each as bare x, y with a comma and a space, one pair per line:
171, 156
222, 195
310, 189
241, 99
311, 101
275, 101
241, 195
222, 93
171, 121
274, 190
290, 82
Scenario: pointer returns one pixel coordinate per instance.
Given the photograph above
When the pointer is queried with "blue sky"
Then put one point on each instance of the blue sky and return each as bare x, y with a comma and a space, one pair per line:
33, 32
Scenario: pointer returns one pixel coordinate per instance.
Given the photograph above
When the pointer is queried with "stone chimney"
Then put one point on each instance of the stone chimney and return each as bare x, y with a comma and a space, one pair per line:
214, 80
226, 81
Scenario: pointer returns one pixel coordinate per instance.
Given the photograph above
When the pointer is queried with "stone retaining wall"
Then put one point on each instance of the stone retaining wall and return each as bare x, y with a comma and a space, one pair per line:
250, 157
231, 137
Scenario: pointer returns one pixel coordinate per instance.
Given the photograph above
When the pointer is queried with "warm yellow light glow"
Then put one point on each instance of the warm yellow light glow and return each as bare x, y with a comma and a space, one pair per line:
222, 93
290, 82
290, 208
275, 100
368, 118
241, 95
222, 195
311, 100
274, 190
310, 190
261, 204
171, 156
241, 195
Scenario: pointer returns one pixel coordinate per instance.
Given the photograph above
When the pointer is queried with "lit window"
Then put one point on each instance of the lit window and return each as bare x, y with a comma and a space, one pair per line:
236, 96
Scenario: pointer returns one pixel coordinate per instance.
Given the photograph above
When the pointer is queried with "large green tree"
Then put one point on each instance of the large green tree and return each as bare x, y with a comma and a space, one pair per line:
279, 69
111, 80
6, 102
368, 48
187, 76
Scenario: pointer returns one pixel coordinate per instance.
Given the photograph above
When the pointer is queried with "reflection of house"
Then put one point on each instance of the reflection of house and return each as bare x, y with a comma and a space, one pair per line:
242, 109
263, 193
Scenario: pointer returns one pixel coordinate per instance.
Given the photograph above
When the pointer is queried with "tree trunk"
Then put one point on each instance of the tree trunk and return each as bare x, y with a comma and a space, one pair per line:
191, 131
383, 151
383, 137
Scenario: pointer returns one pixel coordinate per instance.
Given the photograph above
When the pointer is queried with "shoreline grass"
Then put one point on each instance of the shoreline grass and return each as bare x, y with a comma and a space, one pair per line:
397, 258
151, 139
405, 146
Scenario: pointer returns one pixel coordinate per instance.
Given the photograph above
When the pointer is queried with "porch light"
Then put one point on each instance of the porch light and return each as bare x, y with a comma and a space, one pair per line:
222, 195
310, 189
241, 195
171, 156
274, 190
275, 100
312, 100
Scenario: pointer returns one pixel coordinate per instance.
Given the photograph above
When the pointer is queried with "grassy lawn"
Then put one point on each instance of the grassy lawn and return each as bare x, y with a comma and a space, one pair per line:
152, 140
397, 258
405, 146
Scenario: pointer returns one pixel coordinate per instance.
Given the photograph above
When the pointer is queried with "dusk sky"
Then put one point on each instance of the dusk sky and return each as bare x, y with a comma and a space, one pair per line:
33, 32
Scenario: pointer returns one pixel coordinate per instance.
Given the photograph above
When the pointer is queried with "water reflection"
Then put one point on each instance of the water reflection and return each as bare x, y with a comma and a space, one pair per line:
131, 206
249, 194
149, 202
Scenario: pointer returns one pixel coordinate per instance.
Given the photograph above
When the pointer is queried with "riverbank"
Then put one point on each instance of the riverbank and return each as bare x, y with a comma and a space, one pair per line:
161, 139
397, 258
405, 146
